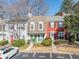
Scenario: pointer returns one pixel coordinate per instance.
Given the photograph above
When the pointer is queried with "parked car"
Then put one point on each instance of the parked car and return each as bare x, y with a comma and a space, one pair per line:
8, 52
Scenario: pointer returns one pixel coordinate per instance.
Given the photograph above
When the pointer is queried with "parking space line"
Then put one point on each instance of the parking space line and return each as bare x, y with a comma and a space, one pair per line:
60, 57
34, 54
42, 56
70, 56
50, 55
24, 55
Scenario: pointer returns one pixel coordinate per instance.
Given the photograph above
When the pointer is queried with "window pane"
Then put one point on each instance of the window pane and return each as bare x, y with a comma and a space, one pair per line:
6, 51
60, 35
60, 24
32, 26
40, 37
52, 24
40, 26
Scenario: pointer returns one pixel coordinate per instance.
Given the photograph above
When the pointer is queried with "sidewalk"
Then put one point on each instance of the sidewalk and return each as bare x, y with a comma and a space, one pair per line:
41, 49
67, 49
63, 49
56, 49
27, 49
30, 47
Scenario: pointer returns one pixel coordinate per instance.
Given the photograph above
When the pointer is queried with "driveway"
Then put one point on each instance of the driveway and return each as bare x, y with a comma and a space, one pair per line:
23, 55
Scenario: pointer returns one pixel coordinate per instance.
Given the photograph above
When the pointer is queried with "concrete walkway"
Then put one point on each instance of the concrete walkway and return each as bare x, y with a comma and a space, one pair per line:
54, 48
30, 47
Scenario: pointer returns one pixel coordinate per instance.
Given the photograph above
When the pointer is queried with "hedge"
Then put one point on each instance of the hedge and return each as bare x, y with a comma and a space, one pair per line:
47, 42
18, 42
2, 43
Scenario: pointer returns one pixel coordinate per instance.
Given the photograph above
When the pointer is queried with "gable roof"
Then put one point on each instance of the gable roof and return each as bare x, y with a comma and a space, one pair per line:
2, 21
36, 19
46, 18
57, 18
17, 20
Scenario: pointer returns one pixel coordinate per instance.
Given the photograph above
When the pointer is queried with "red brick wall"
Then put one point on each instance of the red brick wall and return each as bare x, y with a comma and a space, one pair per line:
55, 29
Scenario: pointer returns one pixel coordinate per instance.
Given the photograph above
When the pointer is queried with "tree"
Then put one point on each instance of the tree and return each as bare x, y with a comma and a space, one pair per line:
76, 8
18, 8
1, 9
24, 7
66, 6
71, 22
58, 13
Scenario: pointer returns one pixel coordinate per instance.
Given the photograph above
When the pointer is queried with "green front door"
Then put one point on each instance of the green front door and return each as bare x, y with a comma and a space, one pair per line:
33, 39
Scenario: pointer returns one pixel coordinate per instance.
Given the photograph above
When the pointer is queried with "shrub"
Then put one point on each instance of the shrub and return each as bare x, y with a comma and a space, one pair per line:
18, 43
58, 42
2, 43
47, 42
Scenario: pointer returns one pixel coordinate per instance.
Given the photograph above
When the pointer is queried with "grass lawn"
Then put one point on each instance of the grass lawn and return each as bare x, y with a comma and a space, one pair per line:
23, 48
38, 45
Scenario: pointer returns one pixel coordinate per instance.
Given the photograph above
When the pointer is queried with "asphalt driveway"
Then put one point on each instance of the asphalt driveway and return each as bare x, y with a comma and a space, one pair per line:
45, 56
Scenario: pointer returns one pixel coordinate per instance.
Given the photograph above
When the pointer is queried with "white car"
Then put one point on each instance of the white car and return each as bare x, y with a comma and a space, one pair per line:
8, 52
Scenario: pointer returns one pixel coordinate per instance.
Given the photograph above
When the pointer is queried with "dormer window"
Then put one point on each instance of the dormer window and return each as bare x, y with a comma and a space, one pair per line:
32, 25
40, 25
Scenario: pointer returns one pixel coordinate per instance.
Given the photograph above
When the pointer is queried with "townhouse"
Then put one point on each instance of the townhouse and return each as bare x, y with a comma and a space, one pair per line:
36, 28
40, 27
4, 35
55, 28
18, 27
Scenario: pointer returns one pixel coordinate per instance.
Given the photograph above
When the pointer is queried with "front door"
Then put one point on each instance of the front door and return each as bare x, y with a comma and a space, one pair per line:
52, 35
33, 38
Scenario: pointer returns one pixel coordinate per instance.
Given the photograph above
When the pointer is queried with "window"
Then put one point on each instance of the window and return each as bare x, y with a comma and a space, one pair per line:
40, 37
60, 24
40, 26
60, 35
32, 25
52, 24
75, 26
21, 26
11, 26
51, 34
11, 49
8, 50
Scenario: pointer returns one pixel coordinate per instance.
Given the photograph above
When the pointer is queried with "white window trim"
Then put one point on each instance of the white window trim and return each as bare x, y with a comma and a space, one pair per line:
53, 35
51, 32
39, 25
53, 25
60, 23
33, 25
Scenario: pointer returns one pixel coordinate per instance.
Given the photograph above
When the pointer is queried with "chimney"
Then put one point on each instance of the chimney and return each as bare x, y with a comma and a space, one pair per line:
62, 13
29, 14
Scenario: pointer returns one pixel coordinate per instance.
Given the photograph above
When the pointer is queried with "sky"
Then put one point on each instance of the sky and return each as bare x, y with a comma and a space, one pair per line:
54, 6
